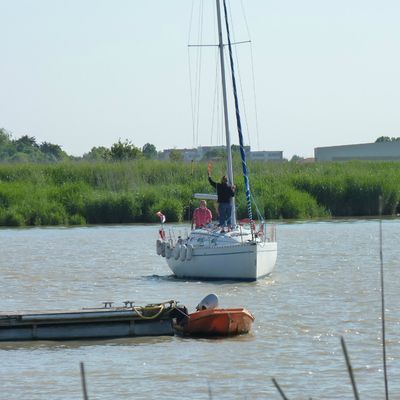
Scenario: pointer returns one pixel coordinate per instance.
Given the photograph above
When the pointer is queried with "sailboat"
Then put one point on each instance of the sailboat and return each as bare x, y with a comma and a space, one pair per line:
246, 252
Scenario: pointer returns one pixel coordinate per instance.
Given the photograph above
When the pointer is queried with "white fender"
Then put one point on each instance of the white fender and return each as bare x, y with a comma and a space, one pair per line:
177, 251
183, 252
159, 246
168, 250
189, 252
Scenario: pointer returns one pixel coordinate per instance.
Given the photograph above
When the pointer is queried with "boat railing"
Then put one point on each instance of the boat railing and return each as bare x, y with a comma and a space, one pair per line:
262, 232
175, 233
266, 232
178, 232
271, 235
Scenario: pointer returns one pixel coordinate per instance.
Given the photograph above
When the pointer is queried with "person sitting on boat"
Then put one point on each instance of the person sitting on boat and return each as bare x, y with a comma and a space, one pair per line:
201, 215
225, 192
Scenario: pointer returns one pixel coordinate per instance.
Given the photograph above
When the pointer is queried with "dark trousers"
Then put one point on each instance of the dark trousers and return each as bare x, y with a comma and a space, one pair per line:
225, 214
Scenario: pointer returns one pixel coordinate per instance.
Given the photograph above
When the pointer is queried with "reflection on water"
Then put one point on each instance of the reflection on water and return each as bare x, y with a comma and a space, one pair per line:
326, 284
75, 344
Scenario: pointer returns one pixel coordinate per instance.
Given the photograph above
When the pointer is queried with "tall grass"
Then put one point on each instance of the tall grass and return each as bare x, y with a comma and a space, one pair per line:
80, 193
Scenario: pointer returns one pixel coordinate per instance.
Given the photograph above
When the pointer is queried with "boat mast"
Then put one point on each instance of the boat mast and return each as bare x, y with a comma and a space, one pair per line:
238, 122
225, 104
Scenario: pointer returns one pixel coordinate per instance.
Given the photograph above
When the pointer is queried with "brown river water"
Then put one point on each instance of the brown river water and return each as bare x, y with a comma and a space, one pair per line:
326, 284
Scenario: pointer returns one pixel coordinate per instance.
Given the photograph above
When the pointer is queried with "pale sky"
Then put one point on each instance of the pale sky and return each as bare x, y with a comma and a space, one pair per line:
86, 73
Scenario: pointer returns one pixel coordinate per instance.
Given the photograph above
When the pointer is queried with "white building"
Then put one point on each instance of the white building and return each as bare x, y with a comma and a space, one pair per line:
187, 154
382, 151
266, 156
203, 150
199, 153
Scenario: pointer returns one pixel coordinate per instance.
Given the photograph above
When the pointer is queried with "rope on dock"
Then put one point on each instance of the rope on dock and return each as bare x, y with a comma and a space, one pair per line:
160, 307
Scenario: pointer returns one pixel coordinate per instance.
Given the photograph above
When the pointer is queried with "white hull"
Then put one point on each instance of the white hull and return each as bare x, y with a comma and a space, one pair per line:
247, 260
242, 262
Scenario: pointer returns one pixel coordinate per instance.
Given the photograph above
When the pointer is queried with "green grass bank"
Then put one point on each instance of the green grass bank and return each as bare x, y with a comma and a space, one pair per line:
76, 193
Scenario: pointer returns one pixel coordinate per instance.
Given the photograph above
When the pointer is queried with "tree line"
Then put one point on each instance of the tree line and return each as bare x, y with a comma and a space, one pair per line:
27, 149
387, 139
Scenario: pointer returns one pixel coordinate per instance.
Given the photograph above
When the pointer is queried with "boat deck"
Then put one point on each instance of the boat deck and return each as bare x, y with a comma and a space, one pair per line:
103, 322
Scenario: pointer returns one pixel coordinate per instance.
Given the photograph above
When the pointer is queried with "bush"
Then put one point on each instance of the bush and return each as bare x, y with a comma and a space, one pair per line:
111, 208
72, 196
171, 208
289, 203
11, 217
38, 213
76, 219
107, 192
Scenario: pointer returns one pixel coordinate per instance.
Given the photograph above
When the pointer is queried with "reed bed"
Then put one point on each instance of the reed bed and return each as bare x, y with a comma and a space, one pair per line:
76, 193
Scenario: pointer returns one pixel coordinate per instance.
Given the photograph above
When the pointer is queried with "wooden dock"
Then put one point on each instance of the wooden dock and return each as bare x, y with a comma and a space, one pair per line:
103, 322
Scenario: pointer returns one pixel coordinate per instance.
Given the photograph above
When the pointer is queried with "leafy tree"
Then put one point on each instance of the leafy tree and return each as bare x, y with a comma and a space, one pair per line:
5, 137
26, 149
121, 151
20, 157
26, 142
6, 147
387, 139
175, 155
296, 158
100, 153
382, 139
149, 151
52, 151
